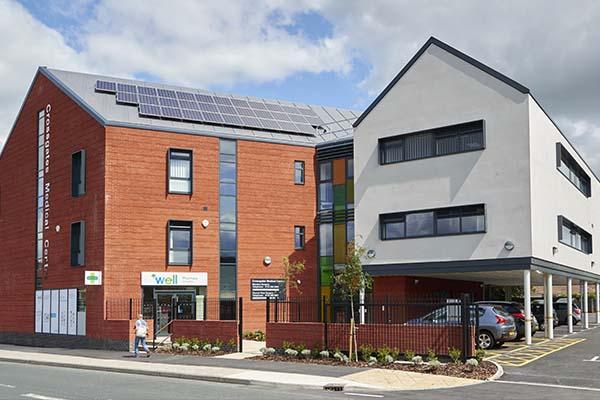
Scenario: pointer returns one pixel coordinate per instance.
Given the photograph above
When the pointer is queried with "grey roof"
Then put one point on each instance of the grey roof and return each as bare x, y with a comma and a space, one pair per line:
337, 123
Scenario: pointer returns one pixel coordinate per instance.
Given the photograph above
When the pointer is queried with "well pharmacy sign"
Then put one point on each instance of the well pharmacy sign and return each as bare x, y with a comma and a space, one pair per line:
174, 278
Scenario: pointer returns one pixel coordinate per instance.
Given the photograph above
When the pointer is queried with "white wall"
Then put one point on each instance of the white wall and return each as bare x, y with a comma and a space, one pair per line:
553, 194
441, 89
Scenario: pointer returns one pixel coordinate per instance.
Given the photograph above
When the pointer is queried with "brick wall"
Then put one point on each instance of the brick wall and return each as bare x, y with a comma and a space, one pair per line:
310, 334
224, 331
414, 287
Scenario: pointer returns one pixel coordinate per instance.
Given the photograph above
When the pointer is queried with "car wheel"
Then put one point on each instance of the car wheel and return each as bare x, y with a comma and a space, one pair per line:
486, 340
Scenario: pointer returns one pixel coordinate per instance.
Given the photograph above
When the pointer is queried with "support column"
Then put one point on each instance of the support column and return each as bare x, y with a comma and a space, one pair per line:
548, 307
597, 303
570, 304
586, 323
361, 309
527, 305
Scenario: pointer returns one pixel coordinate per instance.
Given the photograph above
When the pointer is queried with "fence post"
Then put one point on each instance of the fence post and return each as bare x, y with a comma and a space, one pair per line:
130, 308
240, 324
276, 309
466, 326
325, 333
268, 311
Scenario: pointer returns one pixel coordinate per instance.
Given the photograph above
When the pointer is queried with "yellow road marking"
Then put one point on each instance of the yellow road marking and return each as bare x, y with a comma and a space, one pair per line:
527, 354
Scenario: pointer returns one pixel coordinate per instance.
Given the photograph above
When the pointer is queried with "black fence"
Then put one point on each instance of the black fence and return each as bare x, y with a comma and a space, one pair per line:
415, 325
207, 309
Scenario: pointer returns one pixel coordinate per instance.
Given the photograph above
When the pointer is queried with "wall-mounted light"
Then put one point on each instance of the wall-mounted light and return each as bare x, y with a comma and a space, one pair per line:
416, 281
508, 245
205, 223
57, 228
267, 260
554, 250
593, 264
538, 271
371, 253
299, 282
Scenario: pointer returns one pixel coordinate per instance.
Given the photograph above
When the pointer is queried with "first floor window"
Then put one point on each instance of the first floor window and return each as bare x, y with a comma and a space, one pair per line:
78, 173
180, 243
298, 237
180, 171
77, 244
574, 236
299, 172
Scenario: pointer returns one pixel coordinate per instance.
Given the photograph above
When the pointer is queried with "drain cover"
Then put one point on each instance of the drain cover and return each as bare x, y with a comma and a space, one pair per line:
334, 387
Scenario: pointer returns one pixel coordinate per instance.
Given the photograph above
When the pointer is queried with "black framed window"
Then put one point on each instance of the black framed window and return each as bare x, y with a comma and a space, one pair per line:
78, 173
299, 237
299, 172
180, 242
78, 243
180, 171
567, 165
325, 186
574, 236
436, 222
437, 142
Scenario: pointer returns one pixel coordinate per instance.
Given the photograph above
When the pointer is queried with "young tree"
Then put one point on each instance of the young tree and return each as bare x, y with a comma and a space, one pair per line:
291, 271
349, 282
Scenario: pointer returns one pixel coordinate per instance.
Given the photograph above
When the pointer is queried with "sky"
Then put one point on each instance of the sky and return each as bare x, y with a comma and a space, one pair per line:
328, 52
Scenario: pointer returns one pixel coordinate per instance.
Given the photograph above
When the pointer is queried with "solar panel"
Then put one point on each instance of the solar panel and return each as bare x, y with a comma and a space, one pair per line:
186, 96
288, 126
290, 109
167, 93
306, 129
127, 98
213, 117
208, 107
123, 87
222, 100
314, 121
232, 119
148, 99
170, 112
298, 118
308, 112
150, 110
204, 98
147, 90
190, 105
227, 109
251, 122
274, 107
169, 102
106, 86
245, 111
263, 114
240, 103
270, 124
192, 115
280, 116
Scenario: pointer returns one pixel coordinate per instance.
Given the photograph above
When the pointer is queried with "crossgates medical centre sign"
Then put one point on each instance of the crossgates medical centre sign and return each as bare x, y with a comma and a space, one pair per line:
174, 278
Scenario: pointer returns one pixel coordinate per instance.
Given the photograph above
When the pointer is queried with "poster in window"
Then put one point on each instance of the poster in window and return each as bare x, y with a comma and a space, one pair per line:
38, 311
62, 311
72, 312
54, 311
46, 311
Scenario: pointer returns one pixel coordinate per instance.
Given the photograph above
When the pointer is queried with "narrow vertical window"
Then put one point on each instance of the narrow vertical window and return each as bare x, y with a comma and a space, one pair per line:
325, 186
180, 171
180, 243
78, 173
227, 227
299, 237
77, 244
299, 172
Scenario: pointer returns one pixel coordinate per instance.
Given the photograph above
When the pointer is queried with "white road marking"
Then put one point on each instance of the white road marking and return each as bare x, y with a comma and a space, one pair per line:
594, 359
6, 386
40, 397
550, 385
364, 395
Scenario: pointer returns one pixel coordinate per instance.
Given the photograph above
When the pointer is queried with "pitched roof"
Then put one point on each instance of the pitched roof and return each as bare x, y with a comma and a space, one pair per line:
335, 123
451, 50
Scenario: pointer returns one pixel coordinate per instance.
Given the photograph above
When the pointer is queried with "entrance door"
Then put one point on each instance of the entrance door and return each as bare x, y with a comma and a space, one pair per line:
173, 305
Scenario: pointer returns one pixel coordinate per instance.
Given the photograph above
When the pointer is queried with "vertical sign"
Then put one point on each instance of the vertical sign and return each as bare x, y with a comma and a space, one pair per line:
62, 311
38, 311
46, 311
72, 314
54, 311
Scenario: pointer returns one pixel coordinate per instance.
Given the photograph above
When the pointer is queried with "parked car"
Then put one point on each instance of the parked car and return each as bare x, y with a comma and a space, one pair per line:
496, 326
560, 305
537, 309
517, 311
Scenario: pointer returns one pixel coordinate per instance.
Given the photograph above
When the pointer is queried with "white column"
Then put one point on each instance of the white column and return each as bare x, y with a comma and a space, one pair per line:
527, 305
361, 309
586, 323
548, 307
570, 304
597, 303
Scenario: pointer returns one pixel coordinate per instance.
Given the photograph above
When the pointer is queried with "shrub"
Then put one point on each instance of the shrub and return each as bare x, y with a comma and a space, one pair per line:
216, 349
194, 342
395, 352
184, 347
366, 351
372, 361
207, 347
306, 353
271, 351
338, 356
435, 364
263, 350
176, 345
409, 355
454, 354
218, 343
195, 347
382, 353
471, 364
291, 352
388, 359
480, 355
300, 347
324, 354
287, 345
417, 360
259, 336
181, 340
431, 356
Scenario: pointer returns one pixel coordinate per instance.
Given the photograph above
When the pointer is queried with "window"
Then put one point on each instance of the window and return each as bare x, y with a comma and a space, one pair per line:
180, 243
325, 240
227, 223
567, 165
298, 237
299, 172
574, 236
438, 222
78, 174
180, 171
77, 244
325, 186
432, 143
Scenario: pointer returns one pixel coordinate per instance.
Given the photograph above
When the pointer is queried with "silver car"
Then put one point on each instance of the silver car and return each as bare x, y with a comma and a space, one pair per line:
496, 326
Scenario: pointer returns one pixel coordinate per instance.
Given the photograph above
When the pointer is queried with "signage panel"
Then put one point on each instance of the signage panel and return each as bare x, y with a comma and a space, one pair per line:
93, 278
262, 289
174, 278
46, 311
63, 311
38, 311
72, 317
54, 311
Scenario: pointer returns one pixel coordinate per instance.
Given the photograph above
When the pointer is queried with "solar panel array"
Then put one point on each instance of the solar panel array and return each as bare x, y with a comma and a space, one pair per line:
214, 109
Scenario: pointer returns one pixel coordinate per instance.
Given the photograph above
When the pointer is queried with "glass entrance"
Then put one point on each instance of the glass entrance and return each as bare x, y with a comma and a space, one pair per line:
173, 305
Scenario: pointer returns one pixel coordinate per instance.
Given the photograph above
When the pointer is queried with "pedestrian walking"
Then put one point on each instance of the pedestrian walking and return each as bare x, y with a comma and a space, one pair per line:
141, 331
